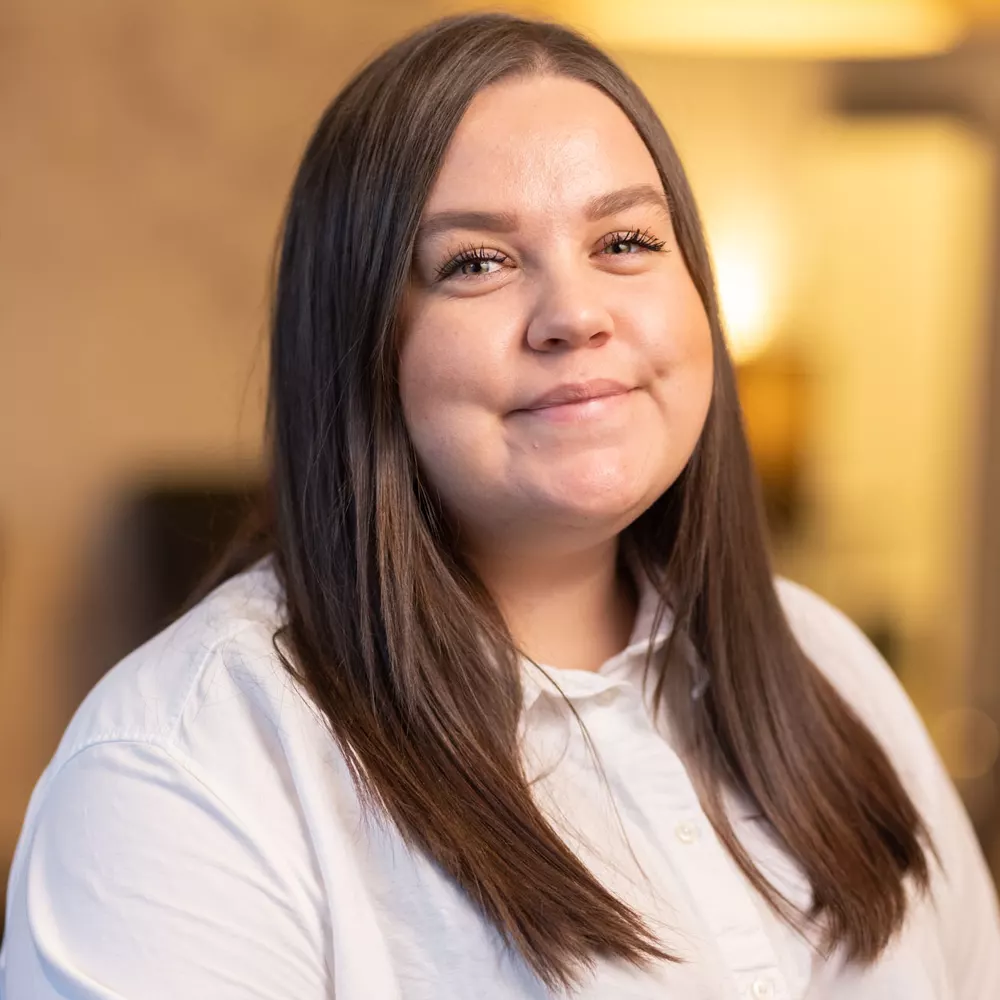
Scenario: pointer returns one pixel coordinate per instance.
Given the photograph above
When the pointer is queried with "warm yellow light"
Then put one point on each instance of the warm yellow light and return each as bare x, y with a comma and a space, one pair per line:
798, 28
747, 309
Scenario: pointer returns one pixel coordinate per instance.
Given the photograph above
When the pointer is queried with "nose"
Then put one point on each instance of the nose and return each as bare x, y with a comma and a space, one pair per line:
569, 313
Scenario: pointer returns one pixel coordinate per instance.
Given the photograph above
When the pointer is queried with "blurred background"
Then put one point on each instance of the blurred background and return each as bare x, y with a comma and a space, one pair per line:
844, 154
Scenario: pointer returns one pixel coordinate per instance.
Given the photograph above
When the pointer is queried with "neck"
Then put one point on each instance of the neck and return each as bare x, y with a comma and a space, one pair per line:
571, 610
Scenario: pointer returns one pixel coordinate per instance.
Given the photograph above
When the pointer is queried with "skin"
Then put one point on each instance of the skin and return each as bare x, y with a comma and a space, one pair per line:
536, 266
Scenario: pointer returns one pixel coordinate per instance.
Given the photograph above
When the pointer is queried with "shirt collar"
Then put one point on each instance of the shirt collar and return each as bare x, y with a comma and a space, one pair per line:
622, 668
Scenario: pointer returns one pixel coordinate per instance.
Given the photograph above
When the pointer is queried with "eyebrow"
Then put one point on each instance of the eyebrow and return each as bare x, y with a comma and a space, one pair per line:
625, 198
595, 209
442, 222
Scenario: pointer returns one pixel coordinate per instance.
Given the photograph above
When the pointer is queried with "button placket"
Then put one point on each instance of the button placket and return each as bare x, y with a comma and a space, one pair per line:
764, 983
606, 697
719, 892
718, 889
687, 832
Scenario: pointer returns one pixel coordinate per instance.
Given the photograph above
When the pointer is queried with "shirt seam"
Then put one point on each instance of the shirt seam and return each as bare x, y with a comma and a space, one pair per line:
166, 739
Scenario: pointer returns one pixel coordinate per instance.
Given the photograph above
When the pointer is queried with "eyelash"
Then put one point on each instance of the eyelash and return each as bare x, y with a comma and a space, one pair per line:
466, 256
639, 237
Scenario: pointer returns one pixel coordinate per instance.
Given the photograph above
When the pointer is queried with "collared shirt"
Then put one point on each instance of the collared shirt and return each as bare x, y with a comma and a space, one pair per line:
197, 835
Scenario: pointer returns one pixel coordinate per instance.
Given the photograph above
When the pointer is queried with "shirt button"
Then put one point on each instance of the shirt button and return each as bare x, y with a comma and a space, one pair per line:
762, 989
687, 833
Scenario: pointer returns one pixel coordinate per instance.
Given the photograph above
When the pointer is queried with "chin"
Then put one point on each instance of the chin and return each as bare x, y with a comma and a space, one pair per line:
607, 485
613, 505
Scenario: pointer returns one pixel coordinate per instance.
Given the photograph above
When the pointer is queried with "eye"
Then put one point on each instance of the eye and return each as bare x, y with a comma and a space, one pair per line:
633, 241
472, 262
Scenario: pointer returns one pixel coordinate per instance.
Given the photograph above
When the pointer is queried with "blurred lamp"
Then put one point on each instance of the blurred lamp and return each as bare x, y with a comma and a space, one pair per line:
744, 301
832, 29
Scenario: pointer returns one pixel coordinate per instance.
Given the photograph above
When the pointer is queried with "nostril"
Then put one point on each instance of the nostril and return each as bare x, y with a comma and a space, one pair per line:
568, 337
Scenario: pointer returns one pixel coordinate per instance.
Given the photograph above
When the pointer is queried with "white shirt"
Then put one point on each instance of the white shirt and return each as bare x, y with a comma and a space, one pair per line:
197, 836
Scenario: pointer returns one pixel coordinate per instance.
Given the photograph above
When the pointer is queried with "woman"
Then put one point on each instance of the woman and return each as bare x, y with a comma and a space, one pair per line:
513, 707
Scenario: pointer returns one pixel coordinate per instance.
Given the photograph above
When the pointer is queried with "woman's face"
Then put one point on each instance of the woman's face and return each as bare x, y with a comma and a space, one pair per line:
556, 364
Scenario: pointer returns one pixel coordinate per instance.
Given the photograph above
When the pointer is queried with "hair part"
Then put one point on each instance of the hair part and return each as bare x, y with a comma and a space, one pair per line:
402, 647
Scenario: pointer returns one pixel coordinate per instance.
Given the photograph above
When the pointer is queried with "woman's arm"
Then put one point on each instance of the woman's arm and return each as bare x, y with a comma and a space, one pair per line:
964, 896
139, 883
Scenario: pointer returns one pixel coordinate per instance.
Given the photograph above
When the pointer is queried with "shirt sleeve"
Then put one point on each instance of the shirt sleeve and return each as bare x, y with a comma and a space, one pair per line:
963, 894
141, 884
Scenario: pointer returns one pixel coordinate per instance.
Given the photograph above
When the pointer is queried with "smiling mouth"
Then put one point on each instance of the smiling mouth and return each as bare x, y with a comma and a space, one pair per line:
568, 408
574, 394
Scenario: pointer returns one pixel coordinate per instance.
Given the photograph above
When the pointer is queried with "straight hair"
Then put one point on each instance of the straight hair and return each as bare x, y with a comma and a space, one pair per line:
400, 644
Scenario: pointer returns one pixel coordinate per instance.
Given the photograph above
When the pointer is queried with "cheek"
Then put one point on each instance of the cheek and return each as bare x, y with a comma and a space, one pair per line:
427, 395
676, 321
679, 350
693, 359
451, 386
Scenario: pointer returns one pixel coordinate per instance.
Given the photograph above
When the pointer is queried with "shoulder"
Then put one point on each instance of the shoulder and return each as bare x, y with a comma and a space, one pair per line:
835, 644
861, 676
190, 768
828, 636
202, 720
963, 920
215, 663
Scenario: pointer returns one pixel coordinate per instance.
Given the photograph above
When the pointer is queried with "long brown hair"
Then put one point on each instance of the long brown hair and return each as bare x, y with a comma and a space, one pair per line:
386, 623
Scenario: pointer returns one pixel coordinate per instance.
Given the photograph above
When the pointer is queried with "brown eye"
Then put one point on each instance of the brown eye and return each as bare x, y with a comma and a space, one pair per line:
632, 242
480, 266
622, 247
472, 262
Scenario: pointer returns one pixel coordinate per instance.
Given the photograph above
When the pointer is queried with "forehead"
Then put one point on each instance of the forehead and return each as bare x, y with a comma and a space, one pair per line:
540, 141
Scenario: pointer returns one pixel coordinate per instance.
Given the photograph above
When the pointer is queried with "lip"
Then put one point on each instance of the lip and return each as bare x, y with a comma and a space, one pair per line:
576, 392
